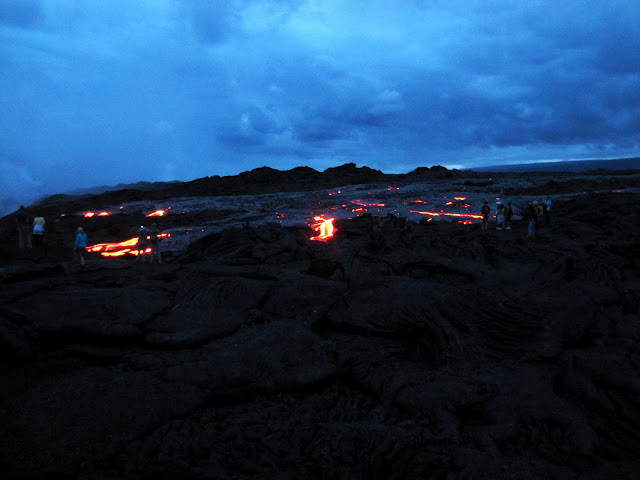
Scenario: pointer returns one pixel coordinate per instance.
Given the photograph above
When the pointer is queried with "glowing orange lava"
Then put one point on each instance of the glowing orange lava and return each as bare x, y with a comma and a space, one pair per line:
364, 204
459, 198
114, 249
325, 229
447, 214
157, 213
93, 214
118, 249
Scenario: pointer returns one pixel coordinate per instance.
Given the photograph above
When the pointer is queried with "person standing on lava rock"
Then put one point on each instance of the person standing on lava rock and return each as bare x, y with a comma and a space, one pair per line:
38, 233
507, 216
154, 241
143, 242
530, 213
486, 210
23, 227
80, 245
500, 216
547, 210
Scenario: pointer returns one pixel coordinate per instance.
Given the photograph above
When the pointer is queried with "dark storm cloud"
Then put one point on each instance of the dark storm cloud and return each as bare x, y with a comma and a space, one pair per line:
110, 92
216, 21
212, 21
20, 13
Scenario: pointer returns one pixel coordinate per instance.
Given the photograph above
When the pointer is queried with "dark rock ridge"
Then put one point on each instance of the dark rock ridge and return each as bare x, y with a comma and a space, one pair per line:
395, 350
301, 179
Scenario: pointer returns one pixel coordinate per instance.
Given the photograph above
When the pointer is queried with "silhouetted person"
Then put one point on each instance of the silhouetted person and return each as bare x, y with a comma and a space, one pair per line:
500, 216
24, 228
531, 214
143, 243
154, 241
507, 216
486, 210
80, 245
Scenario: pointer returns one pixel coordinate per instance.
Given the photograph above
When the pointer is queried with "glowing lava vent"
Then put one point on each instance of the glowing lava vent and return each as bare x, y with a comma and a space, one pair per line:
325, 229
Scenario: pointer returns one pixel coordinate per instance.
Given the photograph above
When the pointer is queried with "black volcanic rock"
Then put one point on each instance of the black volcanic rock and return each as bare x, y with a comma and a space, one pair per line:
394, 350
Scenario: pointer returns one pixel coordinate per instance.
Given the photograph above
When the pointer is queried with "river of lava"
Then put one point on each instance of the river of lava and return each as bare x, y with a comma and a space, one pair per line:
447, 214
118, 249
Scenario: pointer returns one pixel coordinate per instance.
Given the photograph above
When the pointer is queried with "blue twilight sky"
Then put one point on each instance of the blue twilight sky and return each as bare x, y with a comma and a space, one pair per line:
96, 92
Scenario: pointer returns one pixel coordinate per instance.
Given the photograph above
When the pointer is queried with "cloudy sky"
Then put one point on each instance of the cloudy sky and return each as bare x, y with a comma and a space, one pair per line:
96, 92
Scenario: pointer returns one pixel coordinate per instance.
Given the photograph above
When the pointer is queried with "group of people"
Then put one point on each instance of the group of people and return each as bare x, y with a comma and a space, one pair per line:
31, 234
536, 212
28, 230
503, 215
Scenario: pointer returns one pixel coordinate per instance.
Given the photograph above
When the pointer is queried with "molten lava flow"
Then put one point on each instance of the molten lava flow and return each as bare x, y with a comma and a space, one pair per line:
364, 204
118, 249
325, 229
157, 213
447, 214
459, 198
114, 249
93, 214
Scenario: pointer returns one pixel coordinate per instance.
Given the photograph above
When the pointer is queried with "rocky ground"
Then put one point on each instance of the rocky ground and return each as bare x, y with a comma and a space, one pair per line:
397, 349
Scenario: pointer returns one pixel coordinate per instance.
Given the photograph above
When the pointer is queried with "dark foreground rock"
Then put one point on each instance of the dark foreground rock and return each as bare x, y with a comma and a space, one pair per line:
395, 350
